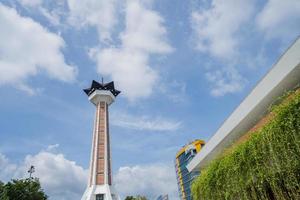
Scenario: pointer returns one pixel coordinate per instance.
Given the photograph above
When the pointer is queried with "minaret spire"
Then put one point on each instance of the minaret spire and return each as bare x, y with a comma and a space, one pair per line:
100, 178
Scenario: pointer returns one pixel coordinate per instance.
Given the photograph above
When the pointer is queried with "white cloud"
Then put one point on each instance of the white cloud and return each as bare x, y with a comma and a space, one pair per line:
53, 14
61, 178
129, 69
225, 81
175, 91
52, 147
144, 29
217, 27
7, 168
128, 65
99, 13
144, 122
31, 3
102, 14
27, 48
149, 180
280, 19
218, 30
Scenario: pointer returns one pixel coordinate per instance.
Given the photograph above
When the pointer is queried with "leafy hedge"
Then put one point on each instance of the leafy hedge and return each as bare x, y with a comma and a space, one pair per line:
266, 166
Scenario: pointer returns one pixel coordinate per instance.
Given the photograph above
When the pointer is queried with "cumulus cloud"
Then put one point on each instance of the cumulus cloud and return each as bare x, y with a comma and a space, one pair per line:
53, 13
217, 27
128, 65
102, 14
144, 34
149, 180
52, 147
99, 13
218, 33
31, 3
61, 178
144, 122
225, 81
129, 69
27, 48
280, 19
144, 29
7, 168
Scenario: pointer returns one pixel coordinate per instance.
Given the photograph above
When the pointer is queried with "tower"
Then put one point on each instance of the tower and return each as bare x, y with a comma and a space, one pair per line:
100, 179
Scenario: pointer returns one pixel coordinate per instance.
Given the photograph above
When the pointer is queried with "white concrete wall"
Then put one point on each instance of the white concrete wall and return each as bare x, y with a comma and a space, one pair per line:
284, 76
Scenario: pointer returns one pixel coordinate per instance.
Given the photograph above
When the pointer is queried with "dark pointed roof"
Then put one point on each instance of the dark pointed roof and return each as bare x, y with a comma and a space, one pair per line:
102, 86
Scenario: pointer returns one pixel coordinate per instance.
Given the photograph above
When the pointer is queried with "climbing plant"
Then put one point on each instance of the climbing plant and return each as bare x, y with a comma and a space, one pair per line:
264, 167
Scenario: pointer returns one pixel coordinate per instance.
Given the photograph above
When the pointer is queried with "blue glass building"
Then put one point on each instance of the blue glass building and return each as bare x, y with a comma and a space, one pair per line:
184, 177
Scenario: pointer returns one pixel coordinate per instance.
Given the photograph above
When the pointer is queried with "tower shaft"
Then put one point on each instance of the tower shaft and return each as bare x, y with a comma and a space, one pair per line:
100, 166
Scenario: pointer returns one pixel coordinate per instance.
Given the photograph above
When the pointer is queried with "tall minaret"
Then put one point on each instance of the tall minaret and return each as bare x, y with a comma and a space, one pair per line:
100, 180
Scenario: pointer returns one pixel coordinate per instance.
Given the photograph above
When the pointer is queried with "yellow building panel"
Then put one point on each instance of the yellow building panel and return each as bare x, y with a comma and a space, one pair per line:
180, 178
197, 144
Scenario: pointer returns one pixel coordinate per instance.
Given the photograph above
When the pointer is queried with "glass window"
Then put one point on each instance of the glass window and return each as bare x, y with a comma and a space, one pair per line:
99, 196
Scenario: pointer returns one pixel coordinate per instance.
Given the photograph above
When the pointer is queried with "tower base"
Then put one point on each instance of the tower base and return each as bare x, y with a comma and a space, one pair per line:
100, 192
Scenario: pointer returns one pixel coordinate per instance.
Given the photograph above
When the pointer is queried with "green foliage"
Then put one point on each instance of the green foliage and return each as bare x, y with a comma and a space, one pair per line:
135, 198
23, 189
141, 197
129, 198
1, 188
265, 167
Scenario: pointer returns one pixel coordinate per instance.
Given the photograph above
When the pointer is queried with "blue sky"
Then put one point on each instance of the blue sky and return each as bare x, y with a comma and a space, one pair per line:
182, 67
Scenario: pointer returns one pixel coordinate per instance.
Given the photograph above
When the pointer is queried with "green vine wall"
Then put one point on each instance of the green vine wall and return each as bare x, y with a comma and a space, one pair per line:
264, 167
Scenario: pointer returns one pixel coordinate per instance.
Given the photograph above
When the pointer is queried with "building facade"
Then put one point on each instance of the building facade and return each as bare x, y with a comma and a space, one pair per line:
184, 177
